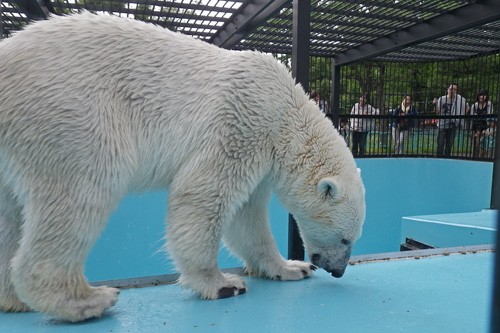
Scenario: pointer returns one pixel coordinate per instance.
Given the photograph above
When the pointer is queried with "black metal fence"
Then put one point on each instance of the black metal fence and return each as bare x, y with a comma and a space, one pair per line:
385, 137
386, 83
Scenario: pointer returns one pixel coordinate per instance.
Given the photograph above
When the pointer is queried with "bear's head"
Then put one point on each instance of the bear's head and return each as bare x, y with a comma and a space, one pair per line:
330, 221
331, 228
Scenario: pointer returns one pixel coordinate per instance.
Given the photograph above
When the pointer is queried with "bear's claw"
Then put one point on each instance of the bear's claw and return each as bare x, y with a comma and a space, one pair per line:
219, 286
230, 292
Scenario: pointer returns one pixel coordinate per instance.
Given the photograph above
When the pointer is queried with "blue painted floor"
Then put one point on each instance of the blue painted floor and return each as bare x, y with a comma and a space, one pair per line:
436, 294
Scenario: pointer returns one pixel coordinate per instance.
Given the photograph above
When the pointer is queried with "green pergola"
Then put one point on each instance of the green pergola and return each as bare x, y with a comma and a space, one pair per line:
346, 30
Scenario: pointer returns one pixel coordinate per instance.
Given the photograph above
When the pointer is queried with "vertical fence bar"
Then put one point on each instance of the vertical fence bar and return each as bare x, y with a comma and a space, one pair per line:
1, 22
495, 187
300, 70
495, 204
335, 97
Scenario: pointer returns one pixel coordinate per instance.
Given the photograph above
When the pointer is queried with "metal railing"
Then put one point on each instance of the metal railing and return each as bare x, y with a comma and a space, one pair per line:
420, 135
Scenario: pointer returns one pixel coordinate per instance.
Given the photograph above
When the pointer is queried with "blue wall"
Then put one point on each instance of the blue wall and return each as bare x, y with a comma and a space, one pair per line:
407, 187
132, 244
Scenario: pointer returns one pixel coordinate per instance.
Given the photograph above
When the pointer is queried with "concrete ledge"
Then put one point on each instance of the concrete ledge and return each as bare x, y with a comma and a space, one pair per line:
417, 254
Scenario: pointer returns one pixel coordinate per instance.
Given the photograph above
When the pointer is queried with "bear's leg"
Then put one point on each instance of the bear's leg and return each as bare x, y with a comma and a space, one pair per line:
249, 237
60, 226
10, 234
193, 241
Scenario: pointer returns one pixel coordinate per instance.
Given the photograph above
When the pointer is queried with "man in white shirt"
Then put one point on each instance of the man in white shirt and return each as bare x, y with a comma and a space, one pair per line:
451, 104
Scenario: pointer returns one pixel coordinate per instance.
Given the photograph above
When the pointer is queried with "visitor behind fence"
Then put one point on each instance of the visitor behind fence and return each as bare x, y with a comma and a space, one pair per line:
487, 141
323, 105
451, 104
479, 126
402, 124
344, 130
361, 126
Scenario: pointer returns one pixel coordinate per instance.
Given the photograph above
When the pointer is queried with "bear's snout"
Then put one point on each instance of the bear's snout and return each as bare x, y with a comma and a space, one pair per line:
337, 272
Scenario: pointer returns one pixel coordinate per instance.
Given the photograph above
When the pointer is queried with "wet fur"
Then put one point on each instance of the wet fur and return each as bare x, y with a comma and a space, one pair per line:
94, 107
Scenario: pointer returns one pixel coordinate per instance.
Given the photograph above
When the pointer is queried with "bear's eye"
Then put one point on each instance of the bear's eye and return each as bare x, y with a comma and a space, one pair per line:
346, 241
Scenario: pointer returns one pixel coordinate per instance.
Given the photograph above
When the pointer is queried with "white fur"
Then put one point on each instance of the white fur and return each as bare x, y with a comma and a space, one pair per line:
93, 107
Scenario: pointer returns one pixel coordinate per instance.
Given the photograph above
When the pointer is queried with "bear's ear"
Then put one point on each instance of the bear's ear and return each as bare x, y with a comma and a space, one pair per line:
328, 187
359, 171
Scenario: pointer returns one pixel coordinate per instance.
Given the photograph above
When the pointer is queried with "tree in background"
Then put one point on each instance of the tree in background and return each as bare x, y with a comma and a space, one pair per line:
387, 82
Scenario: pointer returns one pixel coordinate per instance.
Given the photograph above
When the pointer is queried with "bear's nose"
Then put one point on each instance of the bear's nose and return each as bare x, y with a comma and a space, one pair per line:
315, 258
337, 272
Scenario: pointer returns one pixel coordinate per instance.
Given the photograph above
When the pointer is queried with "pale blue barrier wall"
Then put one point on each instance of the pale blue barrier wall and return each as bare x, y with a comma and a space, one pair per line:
407, 187
132, 244
451, 230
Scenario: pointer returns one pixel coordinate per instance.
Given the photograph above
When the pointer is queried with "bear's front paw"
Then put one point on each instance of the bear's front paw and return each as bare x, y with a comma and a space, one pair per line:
216, 286
100, 299
286, 270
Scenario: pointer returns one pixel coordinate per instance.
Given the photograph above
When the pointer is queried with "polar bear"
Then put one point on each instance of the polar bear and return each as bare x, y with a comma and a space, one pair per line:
92, 107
